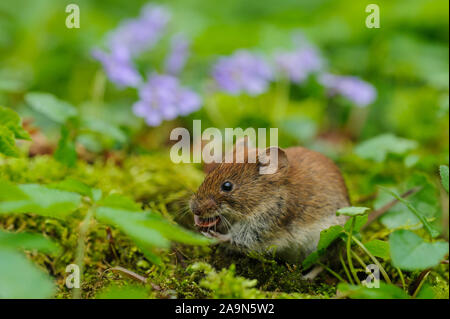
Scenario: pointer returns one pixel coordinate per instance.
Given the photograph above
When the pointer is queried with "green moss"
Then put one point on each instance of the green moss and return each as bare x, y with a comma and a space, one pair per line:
185, 271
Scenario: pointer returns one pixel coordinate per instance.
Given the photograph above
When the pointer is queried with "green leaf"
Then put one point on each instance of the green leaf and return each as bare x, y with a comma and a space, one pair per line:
153, 229
7, 142
173, 231
126, 292
443, 169
12, 121
425, 200
104, 128
43, 201
301, 128
379, 147
119, 201
9, 191
431, 230
360, 221
327, 237
131, 224
74, 186
66, 153
411, 252
385, 291
378, 248
19, 278
426, 292
352, 211
47, 104
27, 241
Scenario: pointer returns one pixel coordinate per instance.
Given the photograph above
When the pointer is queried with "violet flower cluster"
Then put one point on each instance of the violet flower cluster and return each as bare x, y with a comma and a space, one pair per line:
353, 88
134, 36
178, 56
131, 38
297, 65
248, 73
243, 72
161, 97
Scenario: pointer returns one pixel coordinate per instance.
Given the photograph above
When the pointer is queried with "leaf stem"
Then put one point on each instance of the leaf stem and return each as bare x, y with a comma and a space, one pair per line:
422, 277
335, 274
383, 272
402, 278
349, 251
360, 261
79, 259
345, 268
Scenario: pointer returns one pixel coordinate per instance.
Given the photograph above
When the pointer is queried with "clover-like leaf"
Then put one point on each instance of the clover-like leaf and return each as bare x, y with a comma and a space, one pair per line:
431, 230
378, 148
411, 252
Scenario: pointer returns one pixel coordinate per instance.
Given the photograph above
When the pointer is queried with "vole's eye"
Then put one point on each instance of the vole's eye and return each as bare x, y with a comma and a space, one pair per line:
227, 187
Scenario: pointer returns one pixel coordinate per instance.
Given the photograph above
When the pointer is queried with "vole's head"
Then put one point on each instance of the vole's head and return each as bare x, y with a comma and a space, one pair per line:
236, 191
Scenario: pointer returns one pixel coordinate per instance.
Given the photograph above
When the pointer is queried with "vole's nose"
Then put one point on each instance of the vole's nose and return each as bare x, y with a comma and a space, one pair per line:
204, 207
194, 209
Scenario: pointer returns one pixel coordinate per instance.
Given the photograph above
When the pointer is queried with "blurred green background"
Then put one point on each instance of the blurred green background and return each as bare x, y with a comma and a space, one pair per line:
406, 59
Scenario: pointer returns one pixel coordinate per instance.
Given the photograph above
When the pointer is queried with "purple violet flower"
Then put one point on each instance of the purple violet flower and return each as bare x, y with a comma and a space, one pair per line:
351, 87
133, 36
163, 98
119, 69
297, 65
242, 72
179, 53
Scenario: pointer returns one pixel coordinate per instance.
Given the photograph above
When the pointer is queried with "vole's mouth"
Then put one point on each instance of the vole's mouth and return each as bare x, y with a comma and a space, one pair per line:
206, 222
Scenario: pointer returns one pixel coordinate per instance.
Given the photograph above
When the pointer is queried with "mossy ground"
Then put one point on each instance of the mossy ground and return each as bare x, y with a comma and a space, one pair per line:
185, 271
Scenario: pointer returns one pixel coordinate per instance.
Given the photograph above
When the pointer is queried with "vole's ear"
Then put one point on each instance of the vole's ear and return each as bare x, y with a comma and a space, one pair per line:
271, 160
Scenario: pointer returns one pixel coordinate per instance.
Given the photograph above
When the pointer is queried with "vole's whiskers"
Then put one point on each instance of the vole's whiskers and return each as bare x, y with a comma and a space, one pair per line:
183, 211
226, 223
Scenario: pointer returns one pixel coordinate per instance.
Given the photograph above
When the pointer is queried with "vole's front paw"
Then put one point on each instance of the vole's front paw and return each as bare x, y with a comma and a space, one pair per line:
220, 237
310, 276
